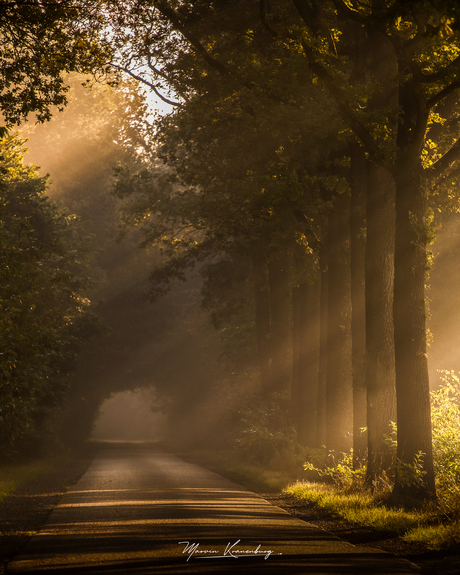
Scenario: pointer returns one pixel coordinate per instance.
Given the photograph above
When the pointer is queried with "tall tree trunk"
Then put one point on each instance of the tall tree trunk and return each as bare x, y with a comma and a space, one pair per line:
380, 362
382, 69
304, 396
358, 317
281, 323
339, 390
262, 316
322, 371
412, 383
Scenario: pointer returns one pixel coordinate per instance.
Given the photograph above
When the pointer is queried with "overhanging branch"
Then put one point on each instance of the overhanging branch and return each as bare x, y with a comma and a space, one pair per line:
172, 16
447, 91
342, 103
146, 83
451, 157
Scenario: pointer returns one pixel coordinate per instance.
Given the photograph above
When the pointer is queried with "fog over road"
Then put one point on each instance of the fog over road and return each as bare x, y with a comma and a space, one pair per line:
140, 510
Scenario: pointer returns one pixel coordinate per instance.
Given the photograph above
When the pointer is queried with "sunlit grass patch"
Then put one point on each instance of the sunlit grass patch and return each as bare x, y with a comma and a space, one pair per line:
13, 475
436, 536
358, 508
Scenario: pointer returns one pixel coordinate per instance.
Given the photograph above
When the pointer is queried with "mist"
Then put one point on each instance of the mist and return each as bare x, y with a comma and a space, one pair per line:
130, 416
170, 341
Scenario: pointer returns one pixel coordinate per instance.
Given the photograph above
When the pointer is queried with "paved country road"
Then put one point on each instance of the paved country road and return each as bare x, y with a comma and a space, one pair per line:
140, 510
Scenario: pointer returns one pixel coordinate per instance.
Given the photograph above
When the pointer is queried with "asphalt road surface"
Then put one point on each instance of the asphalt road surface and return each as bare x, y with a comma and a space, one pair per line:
138, 510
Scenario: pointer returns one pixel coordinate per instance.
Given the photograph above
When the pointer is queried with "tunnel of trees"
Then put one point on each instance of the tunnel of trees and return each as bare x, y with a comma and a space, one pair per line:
305, 158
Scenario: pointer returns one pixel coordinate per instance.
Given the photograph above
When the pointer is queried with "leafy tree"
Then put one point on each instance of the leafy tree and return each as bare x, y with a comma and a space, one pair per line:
46, 315
402, 112
423, 46
241, 147
39, 42
80, 147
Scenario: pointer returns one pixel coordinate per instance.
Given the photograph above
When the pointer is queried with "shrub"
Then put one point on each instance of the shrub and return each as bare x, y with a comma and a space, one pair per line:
345, 473
267, 436
445, 415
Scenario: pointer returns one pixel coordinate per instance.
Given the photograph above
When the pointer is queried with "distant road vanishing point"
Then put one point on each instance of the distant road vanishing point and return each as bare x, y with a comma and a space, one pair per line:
141, 510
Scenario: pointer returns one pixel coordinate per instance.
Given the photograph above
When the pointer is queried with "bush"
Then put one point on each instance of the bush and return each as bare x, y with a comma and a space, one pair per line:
445, 416
345, 473
267, 436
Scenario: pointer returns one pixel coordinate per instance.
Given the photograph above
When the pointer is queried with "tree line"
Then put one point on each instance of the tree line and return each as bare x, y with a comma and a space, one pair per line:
46, 315
310, 146
313, 141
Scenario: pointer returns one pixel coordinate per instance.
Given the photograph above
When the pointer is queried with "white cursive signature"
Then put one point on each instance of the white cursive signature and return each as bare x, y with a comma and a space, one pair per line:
231, 550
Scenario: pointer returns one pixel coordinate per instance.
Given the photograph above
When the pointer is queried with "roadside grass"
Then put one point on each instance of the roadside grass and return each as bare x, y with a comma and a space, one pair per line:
13, 475
428, 526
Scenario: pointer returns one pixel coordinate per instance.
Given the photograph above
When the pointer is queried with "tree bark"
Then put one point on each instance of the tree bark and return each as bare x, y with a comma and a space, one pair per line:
358, 317
412, 383
339, 390
281, 324
322, 367
380, 362
304, 396
262, 316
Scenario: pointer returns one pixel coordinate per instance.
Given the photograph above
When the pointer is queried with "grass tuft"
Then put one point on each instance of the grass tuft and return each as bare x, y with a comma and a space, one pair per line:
436, 536
416, 526
13, 475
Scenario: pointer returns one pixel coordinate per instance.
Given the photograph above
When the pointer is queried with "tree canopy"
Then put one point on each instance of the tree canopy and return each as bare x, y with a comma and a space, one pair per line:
381, 76
39, 41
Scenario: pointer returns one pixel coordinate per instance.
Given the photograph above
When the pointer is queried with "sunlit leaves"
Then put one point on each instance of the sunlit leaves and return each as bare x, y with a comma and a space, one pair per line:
40, 41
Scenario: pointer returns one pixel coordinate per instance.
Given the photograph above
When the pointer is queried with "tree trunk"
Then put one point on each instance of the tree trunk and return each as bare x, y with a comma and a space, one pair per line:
281, 324
380, 362
339, 390
322, 372
304, 397
262, 316
412, 383
358, 317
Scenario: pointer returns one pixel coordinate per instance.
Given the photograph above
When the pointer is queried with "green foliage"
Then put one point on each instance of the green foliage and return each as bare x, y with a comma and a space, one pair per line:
12, 475
267, 437
445, 413
344, 472
45, 314
412, 475
40, 41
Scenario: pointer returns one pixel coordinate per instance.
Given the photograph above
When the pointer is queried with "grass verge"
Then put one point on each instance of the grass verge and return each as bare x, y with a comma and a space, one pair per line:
13, 475
424, 526
427, 526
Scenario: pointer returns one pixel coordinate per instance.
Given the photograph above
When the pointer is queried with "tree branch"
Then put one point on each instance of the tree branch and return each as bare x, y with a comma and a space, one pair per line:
444, 163
447, 91
146, 83
454, 66
263, 18
453, 174
342, 103
354, 15
171, 15
307, 13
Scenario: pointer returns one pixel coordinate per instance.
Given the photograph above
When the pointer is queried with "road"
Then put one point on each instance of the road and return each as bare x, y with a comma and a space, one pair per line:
140, 510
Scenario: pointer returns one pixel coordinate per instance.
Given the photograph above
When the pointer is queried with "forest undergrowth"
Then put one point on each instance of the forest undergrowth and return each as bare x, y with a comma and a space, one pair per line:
267, 458
344, 489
